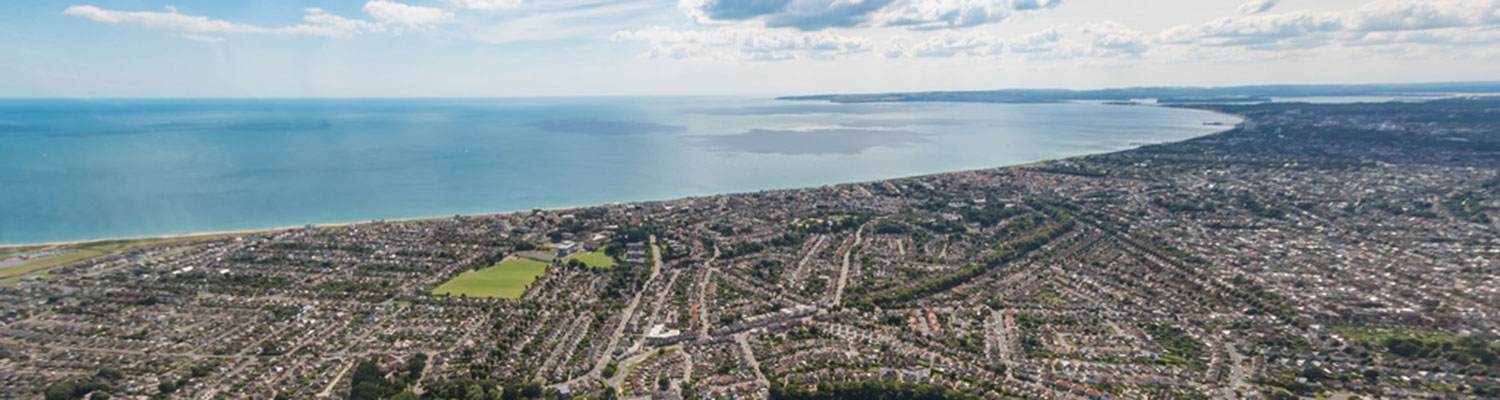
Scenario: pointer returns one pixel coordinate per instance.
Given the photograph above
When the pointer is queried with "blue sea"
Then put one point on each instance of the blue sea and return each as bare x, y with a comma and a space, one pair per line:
81, 169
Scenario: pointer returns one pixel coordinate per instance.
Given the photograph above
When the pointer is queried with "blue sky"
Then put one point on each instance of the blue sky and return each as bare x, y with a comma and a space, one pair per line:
304, 48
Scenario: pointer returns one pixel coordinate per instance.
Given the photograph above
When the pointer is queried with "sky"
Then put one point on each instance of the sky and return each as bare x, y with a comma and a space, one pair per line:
522, 48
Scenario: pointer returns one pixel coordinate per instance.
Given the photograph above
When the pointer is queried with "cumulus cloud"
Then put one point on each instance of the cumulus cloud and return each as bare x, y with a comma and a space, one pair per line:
735, 44
404, 14
316, 22
1384, 21
1402, 15
807, 15
949, 44
1115, 39
1038, 42
934, 14
1257, 30
977, 44
1103, 40
942, 29
1439, 37
811, 15
490, 5
1255, 7
1097, 40
320, 23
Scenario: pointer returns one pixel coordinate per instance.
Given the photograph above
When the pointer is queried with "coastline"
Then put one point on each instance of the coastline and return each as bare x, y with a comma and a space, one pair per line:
247, 231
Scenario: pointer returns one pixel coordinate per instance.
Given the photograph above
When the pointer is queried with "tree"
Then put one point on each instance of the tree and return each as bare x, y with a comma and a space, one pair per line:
366, 391
512, 391
1314, 374
201, 370
67, 390
415, 365
608, 393
270, 349
531, 390
369, 383
110, 374
475, 392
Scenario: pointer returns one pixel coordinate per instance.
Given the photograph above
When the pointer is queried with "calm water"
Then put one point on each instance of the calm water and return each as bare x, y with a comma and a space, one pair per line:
88, 169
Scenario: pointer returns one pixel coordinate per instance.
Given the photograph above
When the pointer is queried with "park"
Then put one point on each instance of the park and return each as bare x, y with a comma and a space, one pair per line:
508, 279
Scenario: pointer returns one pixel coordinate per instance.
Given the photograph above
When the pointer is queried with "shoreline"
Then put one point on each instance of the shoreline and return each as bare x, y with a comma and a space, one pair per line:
188, 235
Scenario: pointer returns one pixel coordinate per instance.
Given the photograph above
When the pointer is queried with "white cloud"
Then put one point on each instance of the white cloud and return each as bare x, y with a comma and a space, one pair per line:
1401, 15
737, 44
1104, 40
1253, 34
1447, 37
1257, 30
404, 14
170, 20
950, 44
319, 23
1100, 41
595, 21
316, 22
931, 14
1384, 21
812, 15
977, 44
1038, 42
490, 5
1255, 7
1111, 38
200, 38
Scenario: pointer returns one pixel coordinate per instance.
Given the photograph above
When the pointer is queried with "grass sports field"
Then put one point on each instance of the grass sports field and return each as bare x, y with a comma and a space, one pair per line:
506, 280
595, 259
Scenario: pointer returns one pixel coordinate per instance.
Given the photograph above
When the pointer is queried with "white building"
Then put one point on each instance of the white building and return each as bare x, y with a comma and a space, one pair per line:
661, 336
566, 247
635, 253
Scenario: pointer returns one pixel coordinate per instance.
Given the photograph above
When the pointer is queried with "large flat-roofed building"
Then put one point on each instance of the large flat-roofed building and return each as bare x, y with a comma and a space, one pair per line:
565, 248
659, 335
635, 253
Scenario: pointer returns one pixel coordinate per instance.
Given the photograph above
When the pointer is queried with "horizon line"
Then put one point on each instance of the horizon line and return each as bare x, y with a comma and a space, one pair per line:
1495, 81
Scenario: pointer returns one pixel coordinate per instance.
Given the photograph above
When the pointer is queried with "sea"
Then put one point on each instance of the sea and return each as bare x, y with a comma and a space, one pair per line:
84, 169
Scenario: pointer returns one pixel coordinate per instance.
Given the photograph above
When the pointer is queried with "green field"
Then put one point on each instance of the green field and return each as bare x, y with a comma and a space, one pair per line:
48, 263
86, 250
6, 252
507, 280
595, 259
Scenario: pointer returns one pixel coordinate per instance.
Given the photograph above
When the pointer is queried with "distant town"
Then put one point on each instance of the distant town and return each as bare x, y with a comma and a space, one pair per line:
1314, 250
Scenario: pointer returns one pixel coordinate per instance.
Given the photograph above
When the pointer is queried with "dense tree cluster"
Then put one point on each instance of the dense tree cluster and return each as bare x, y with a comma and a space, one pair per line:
1466, 350
369, 382
868, 390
